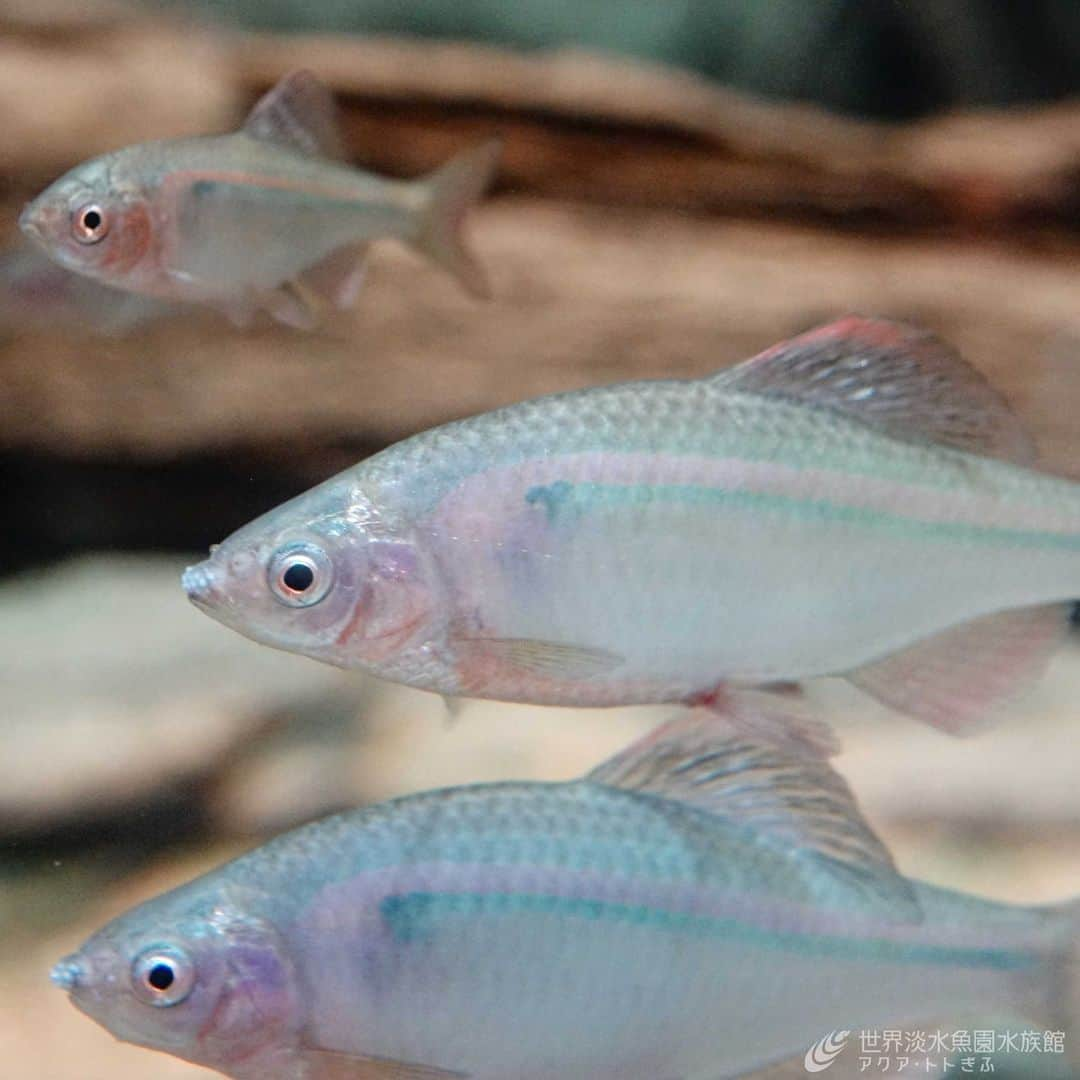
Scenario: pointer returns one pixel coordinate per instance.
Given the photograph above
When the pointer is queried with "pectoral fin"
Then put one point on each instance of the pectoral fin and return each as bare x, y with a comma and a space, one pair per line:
335, 1065
957, 679
549, 659
453, 707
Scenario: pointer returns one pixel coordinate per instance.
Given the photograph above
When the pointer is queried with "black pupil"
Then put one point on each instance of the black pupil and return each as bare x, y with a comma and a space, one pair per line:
299, 577
91, 220
160, 976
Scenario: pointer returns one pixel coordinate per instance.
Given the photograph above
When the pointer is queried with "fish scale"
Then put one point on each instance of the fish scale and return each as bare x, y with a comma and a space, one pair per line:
627, 926
832, 507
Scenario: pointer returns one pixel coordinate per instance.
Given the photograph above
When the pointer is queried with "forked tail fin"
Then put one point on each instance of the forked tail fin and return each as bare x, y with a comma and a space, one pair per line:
449, 192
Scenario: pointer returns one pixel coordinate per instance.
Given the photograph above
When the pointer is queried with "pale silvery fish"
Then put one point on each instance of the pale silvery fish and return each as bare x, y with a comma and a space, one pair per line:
849, 502
263, 218
707, 904
37, 293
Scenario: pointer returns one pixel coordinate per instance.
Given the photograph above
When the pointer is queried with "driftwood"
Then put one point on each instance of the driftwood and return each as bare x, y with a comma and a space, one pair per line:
609, 129
602, 272
583, 296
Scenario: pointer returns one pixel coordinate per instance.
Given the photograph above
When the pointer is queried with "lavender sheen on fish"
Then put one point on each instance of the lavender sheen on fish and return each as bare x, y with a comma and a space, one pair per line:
856, 501
649, 921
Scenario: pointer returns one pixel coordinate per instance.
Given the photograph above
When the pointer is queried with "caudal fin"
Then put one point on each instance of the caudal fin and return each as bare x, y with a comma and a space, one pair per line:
449, 192
1068, 969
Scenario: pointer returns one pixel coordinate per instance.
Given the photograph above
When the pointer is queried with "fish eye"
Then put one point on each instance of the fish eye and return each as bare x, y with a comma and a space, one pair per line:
162, 976
90, 224
300, 575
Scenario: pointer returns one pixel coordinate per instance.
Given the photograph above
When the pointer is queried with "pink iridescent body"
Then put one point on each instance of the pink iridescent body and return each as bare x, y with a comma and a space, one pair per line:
854, 502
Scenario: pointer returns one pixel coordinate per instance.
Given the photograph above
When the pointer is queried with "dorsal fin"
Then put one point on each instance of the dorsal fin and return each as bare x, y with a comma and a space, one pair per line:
299, 114
754, 760
900, 379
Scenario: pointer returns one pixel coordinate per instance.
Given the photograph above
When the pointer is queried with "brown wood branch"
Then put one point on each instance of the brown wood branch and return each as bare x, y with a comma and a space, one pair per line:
583, 296
693, 143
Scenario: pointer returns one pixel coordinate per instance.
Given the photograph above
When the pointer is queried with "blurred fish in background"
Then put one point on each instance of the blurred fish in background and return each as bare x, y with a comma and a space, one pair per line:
35, 292
263, 219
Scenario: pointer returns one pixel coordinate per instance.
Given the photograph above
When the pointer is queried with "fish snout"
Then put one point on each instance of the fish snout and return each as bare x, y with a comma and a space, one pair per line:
30, 224
69, 974
200, 583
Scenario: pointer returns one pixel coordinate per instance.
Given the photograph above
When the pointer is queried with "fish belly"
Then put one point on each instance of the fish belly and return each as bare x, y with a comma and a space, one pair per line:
690, 580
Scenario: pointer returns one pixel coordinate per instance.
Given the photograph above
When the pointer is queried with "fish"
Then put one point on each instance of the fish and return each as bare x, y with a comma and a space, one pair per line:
267, 218
709, 903
38, 294
856, 501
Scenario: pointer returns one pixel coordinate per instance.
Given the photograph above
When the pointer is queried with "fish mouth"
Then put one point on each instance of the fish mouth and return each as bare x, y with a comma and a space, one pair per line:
200, 584
69, 974
28, 223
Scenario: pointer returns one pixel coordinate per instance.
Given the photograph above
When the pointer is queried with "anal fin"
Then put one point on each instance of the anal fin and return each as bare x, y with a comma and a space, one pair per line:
293, 304
339, 277
321, 1064
958, 678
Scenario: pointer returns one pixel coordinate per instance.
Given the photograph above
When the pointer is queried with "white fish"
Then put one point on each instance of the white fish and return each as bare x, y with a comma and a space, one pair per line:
856, 502
708, 904
262, 218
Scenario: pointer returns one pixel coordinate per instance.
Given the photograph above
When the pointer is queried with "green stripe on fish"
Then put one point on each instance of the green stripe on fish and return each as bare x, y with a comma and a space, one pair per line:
418, 916
564, 501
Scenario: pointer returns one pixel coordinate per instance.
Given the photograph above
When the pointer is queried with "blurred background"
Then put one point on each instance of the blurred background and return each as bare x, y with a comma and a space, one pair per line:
684, 183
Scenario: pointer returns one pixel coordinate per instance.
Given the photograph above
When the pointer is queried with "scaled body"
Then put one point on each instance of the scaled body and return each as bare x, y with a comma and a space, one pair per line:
651, 541
605, 928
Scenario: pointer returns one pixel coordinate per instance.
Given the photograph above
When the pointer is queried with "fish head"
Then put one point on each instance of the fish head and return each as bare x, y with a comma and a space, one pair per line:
325, 575
212, 986
92, 225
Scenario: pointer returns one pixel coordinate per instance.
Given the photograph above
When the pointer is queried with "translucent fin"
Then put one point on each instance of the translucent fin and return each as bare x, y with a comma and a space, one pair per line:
902, 380
449, 193
339, 278
292, 304
550, 659
240, 311
956, 680
334, 1065
298, 113
453, 707
757, 761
